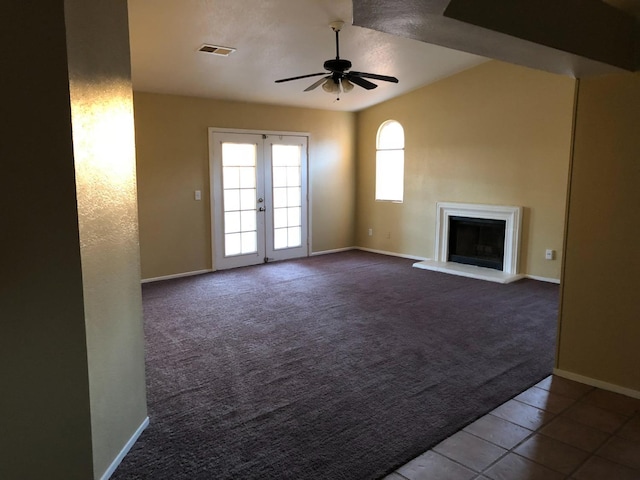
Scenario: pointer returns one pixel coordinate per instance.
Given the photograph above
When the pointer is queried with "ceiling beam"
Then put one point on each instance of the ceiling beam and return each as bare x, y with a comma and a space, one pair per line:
571, 37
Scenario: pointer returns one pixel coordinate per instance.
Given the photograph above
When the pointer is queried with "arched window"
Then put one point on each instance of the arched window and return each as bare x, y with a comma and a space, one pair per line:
390, 162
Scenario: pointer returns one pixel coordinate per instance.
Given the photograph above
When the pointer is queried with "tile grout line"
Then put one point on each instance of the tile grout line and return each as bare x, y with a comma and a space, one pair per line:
537, 431
614, 434
590, 455
507, 451
533, 432
606, 440
575, 401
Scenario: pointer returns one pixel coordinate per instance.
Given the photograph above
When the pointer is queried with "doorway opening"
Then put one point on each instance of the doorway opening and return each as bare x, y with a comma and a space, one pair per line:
258, 197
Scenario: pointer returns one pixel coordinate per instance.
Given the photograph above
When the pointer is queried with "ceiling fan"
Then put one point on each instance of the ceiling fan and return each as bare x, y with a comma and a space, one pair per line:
338, 78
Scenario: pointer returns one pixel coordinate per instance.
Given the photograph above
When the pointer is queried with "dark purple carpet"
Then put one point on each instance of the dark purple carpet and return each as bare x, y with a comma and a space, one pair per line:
341, 366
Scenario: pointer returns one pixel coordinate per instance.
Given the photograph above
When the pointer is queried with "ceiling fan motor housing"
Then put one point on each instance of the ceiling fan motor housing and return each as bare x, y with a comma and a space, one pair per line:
337, 65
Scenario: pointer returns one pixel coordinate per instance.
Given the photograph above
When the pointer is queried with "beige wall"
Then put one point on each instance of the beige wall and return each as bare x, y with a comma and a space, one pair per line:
600, 315
173, 162
71, 369
104, 155
495, 134
44, 405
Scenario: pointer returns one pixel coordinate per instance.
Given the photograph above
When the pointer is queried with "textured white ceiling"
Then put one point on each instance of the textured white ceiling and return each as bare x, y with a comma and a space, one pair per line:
274, 39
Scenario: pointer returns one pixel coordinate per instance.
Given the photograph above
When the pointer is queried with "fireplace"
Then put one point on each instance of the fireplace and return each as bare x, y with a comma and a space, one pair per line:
484, 242
477, 241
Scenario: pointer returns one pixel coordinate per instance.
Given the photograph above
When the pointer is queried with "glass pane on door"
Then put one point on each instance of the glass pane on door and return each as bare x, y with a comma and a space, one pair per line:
287, 196
239, 164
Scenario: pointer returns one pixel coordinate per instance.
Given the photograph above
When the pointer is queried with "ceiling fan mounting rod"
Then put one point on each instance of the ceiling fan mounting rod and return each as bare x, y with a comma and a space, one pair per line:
336, 27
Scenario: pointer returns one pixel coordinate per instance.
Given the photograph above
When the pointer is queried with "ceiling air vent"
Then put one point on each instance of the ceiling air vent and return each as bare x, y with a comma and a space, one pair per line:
217, 50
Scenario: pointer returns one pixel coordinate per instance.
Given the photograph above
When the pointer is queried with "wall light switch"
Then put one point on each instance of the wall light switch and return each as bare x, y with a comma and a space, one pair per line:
549, 254
198, 195
371, 232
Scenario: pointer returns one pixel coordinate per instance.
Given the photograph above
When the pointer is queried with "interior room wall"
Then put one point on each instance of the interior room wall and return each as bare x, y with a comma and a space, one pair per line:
104, 155
45, 419
599, 321
71, 349
495, 134
173, 162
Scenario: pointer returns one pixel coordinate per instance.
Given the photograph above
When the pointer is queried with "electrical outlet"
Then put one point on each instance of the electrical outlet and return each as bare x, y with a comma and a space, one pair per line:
371, 232
549, 254
388, 235
198, 195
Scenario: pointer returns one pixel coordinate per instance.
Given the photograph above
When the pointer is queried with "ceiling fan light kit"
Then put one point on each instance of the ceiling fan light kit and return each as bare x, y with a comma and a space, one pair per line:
330, 86
338, 78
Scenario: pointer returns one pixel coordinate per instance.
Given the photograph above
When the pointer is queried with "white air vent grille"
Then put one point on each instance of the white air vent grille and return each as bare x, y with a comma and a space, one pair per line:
217, 50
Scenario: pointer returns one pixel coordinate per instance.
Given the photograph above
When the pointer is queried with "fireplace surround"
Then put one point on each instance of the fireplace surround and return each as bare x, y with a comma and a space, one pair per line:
512, 217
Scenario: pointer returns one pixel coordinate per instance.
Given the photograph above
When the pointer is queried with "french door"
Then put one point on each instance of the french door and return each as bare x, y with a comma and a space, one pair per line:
258, 198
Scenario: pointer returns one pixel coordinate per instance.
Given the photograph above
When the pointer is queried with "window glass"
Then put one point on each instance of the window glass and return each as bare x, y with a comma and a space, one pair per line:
390, 162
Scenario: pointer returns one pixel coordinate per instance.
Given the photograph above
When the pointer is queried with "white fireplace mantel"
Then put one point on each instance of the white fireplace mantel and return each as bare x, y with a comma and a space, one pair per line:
513, 226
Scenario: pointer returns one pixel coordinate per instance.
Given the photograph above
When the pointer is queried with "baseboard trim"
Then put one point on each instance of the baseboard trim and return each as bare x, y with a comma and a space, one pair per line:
176, 275
392, 254
112, 468
544, 279
597, 383
335, 250
327, 252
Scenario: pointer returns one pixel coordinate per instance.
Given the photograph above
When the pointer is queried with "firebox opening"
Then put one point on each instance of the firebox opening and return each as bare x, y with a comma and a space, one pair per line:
477, 241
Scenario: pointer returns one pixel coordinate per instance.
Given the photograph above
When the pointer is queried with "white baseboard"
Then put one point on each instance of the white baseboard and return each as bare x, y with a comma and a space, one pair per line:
327, 252
176, 275
392, 254
382, 252
335, 250
112, 468
544, 279
597, 383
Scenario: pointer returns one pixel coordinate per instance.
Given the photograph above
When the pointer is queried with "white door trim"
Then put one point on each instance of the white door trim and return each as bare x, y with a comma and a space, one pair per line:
212, 199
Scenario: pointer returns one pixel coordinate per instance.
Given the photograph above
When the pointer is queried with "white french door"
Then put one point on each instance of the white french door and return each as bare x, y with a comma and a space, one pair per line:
258, 198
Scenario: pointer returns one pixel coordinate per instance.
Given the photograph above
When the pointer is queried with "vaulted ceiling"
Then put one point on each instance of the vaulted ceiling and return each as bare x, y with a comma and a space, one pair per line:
417, 41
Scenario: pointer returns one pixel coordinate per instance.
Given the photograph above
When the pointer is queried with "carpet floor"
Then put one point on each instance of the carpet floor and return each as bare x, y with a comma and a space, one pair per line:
342, 366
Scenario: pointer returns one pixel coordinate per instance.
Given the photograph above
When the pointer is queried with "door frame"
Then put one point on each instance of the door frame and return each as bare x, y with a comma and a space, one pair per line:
211, 131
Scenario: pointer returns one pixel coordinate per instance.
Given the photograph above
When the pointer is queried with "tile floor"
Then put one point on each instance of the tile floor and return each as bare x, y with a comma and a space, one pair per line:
558, 429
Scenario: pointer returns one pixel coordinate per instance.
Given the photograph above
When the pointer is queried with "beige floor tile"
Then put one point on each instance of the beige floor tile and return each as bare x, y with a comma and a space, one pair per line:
614, 402
552, 453
394, 476
623, 451
563, 386
469, 450
576, 434
597, 468
431, 466
545, 400
521, 414
498, 431
631, 430
557, 429
595, 417
515, 467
